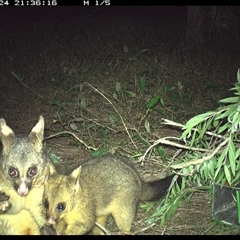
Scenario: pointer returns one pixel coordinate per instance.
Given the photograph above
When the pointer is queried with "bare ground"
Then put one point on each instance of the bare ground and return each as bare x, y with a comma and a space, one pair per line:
46, 72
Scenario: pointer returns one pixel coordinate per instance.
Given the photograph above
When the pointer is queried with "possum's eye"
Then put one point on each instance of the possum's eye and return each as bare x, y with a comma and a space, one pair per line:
12, 172
32, 171
61, 207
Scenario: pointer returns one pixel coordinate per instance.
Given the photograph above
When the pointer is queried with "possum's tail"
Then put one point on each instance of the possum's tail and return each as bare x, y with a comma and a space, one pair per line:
155, 190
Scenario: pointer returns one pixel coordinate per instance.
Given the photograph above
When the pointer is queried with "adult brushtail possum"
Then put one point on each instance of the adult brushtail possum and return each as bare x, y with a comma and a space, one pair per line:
23, 166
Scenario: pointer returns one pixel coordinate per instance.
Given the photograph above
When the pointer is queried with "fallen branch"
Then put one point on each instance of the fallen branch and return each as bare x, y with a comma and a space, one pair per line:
167, 142
201, 160
74, 135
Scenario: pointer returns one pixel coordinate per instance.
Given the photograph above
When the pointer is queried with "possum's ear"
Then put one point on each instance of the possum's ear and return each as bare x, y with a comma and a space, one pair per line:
76, 172
75, 175
5, 130
7, 136
36, 135
50, 171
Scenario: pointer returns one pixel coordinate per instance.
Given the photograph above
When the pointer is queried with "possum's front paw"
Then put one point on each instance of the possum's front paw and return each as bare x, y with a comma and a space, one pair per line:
47, 229
4, 203
3, 197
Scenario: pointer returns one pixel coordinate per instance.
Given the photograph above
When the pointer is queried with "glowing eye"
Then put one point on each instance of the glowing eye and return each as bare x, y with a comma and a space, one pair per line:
12, 172
61, 207
32, 171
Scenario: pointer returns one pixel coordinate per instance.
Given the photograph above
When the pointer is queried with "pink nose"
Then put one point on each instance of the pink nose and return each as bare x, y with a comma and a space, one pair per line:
23, 189
22, 192
51, 221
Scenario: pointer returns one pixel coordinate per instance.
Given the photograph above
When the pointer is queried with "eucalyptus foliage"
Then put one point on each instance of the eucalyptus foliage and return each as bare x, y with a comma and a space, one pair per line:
216, 135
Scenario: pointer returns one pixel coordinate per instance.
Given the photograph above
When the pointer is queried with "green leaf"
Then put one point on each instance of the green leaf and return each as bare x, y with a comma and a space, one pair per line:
223, 128
236, 178
99, 152
152, 102
199, 127
115, 96
172, 209
222, 157
235, 117
205, 171
141, 139
227, 174
161, 152
131, 94
147, 126
142, 84
229, 100
228, 111
215, 123
118, 87
193, 138
125, 48
142, 51
231, 156
54, 158
195, 121
84, 102
211, 166
73, 126
147, 206
162, 102
183, 183
73, 91
238, 75
237, 153
221, 178
188, 197
113, 118
209, 123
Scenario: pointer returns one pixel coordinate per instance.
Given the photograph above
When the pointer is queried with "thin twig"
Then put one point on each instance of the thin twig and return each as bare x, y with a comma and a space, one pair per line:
26, 86
144, 229
103, 228
116, 110
74, 135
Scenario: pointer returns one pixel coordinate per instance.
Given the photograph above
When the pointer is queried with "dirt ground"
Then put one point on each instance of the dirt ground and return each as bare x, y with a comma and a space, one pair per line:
41, 79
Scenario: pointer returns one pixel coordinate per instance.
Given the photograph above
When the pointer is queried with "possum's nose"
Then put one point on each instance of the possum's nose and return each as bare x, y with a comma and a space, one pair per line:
23, 189
51, 220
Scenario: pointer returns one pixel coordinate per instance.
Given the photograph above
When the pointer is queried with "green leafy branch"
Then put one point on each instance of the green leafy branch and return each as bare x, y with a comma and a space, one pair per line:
212, 156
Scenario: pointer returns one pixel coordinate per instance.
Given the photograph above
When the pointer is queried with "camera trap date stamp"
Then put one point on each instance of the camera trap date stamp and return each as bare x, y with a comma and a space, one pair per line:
21, 3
